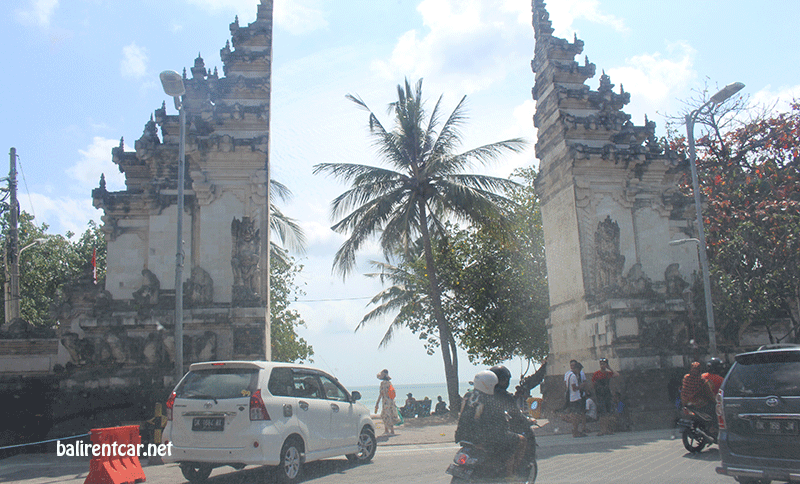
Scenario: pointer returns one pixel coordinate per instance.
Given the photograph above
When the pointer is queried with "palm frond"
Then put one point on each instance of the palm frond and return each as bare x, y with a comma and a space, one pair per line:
288, 230
279, 190
449, 137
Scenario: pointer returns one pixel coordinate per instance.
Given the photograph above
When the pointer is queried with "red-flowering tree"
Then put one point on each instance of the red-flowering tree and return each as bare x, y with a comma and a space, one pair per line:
750, 179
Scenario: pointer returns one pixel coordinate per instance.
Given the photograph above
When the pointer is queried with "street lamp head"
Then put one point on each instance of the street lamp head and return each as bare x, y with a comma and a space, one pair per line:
172, 82
726, 92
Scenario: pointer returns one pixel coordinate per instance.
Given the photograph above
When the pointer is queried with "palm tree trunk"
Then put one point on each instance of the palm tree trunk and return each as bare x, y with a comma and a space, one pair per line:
447, 343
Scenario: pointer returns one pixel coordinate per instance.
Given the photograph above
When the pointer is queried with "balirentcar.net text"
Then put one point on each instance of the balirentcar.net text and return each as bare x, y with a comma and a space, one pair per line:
85, 449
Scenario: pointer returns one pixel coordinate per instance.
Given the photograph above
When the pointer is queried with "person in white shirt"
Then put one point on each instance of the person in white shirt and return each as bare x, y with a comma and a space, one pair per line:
575, 381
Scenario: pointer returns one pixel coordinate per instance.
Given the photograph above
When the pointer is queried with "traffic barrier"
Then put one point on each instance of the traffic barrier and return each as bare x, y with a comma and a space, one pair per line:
110, 467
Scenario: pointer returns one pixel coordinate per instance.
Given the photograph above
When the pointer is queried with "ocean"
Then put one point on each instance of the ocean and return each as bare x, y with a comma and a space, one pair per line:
369, 393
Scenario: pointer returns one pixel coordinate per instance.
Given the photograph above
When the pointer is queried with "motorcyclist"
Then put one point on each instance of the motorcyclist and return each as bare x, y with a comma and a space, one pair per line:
519, 423
696, 394
694, 391
483, 422
715, 375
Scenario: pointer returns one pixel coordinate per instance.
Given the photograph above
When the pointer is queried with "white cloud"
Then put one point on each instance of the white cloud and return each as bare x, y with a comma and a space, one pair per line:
62, 213
777, 100
655, 80
298, 16
39, 12
134, 61
468, 46
94, 161
295, 16
564, 13
72, 212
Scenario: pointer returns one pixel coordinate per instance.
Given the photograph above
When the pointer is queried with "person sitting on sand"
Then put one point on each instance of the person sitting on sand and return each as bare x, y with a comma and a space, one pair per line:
441, 407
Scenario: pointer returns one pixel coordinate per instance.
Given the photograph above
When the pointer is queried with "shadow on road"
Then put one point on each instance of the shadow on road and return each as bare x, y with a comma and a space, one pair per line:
555, 445
312, 470
708, 455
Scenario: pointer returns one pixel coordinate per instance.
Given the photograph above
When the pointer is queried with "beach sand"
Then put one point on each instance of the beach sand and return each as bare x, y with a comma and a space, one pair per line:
429, 430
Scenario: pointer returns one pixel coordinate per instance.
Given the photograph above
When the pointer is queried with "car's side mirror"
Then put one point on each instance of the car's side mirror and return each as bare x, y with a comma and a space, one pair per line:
355, 396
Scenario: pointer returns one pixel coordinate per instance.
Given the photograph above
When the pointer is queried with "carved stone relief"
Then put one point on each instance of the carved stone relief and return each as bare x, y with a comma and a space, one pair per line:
636, 282
198, 291
609, 261
245, 255
146, 297
674, 281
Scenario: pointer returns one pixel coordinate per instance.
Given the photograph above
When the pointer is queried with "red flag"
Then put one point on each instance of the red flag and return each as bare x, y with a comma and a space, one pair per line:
94, 265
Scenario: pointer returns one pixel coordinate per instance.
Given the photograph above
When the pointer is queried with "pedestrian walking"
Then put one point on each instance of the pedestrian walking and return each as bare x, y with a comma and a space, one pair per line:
386, 397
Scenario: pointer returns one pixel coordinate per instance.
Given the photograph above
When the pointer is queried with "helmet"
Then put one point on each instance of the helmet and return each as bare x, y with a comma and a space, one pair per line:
485, 381
503, 376
716, 366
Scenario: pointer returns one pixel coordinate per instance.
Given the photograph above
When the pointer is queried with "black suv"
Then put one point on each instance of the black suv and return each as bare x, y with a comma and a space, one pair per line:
758, 407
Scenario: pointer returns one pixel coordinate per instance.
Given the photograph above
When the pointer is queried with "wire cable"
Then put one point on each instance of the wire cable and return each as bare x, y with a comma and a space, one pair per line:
27, 191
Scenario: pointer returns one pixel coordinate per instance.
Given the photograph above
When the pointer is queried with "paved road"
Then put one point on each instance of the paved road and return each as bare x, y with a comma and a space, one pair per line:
625, 458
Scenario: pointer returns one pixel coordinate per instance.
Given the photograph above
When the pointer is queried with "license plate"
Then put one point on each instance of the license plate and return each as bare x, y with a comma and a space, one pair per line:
777, 426
208, 424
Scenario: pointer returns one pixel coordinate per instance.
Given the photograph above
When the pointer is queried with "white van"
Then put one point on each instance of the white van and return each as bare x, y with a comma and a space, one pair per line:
242, 413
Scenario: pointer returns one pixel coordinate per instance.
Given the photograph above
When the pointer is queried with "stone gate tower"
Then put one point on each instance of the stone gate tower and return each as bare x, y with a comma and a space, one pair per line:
128, 325
610, 205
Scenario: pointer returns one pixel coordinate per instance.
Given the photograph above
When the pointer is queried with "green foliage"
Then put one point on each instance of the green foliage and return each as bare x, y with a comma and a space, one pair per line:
286, 344
47, 261
751, 180
499, 284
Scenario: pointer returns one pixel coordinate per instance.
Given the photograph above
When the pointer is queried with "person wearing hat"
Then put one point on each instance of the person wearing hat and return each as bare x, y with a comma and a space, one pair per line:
410, 408
389, 414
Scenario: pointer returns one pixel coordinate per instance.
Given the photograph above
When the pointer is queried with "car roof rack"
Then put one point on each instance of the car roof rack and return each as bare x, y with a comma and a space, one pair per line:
777, 346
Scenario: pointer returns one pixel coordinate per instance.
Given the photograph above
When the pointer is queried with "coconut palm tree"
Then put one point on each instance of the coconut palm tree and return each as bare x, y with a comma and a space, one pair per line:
422, 188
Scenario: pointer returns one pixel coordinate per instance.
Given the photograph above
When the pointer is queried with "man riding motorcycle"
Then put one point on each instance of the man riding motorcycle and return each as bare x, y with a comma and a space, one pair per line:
483, 421
715, 375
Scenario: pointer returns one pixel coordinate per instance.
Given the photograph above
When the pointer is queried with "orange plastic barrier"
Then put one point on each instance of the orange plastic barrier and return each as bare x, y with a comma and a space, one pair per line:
121, 466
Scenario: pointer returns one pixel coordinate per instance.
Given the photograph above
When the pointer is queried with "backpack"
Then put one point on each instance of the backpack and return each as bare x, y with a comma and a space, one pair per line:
392, 393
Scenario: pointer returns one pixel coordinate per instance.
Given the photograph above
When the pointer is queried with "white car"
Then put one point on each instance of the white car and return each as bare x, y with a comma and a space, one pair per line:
242, 413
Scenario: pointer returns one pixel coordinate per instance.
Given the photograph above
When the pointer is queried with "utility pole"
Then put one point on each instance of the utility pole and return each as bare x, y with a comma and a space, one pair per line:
12, 259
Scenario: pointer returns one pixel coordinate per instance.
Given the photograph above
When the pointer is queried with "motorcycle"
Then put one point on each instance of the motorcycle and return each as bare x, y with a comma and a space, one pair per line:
699, 430
473, 463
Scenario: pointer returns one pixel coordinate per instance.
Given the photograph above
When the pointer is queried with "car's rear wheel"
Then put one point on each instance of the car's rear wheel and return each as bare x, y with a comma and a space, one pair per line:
750, 480
693, 442
291, 465
367, 445
195, 473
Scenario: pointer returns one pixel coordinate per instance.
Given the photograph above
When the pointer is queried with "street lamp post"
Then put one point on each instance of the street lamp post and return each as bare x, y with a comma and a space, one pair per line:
718, 98
172, 82
12, 284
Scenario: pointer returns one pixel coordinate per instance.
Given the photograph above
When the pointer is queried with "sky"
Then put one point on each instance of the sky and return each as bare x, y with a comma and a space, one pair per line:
81, 74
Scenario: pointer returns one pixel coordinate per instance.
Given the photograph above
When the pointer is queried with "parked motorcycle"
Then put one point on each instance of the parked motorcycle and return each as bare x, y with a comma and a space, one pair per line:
699, 430
473, 463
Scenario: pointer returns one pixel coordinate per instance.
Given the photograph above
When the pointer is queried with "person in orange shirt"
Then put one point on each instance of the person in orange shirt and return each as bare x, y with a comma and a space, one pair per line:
715, 375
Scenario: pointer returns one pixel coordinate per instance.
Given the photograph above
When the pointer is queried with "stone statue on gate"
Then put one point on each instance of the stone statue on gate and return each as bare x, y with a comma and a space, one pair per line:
245, 255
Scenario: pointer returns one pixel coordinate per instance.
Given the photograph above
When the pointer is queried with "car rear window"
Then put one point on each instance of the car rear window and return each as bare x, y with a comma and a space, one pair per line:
219, 383
765, 374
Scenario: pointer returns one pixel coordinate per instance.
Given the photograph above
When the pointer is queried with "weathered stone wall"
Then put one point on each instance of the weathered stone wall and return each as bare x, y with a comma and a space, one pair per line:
610, 206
